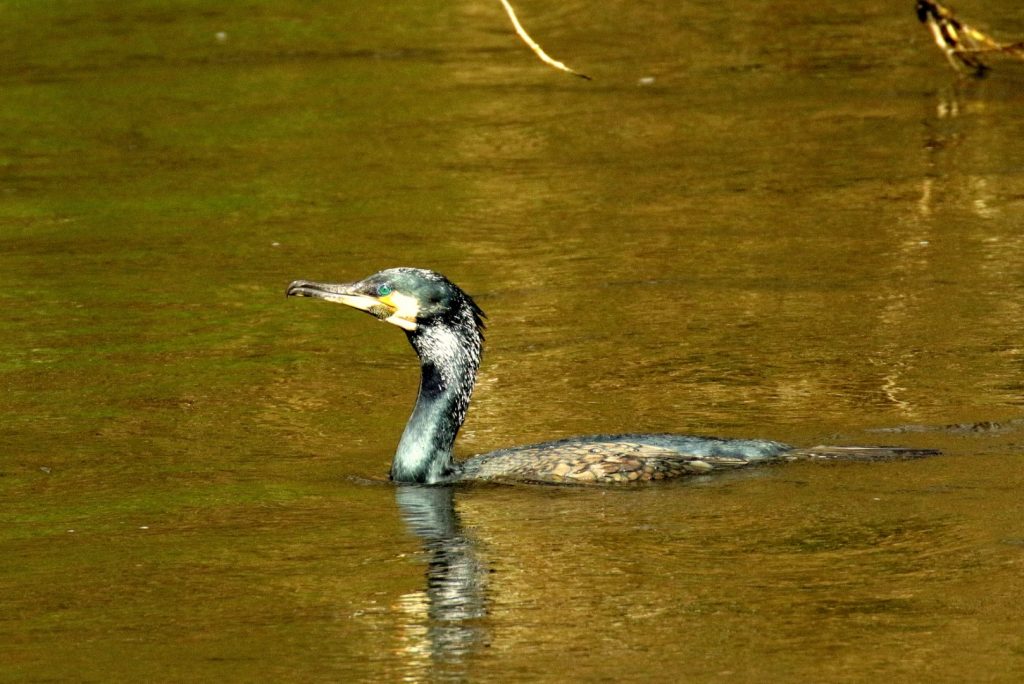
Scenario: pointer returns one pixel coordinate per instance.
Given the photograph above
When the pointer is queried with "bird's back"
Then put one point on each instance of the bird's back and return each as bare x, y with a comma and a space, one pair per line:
619, 458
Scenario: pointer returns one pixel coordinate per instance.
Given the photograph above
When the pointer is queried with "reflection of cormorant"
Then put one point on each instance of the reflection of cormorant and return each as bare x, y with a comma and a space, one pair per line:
455, 578
445, 327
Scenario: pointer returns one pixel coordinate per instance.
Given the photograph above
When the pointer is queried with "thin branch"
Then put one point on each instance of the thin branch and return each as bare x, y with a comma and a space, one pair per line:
537, 50
1013, 49
962, 44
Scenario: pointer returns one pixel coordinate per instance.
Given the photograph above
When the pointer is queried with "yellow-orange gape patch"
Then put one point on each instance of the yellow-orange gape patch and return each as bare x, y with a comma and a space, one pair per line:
404, 310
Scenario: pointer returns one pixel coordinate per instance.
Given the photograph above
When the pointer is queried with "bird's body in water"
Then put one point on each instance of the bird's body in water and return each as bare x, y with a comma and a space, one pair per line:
445, 328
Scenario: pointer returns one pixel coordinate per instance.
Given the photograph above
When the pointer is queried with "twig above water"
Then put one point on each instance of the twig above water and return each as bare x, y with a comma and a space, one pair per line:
963, 45
537, 50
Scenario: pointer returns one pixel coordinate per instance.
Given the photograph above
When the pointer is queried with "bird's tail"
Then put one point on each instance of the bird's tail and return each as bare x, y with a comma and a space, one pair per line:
858, 453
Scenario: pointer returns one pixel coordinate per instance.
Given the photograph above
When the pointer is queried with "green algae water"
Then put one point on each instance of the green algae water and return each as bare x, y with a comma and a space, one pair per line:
787, 222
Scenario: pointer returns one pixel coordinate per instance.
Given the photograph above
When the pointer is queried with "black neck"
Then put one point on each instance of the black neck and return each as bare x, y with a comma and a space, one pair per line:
449, 358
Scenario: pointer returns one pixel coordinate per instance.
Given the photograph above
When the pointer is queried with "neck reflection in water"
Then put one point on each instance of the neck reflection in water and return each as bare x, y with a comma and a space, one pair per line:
449, 619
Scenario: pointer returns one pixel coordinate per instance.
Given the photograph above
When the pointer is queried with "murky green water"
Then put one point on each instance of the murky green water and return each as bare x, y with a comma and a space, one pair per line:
803, 228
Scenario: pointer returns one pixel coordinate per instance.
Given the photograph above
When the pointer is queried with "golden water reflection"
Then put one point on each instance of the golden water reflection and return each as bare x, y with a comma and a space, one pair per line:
788, 222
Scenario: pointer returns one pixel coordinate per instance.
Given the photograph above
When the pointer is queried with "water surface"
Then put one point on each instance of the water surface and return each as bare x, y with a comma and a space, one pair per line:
790, 222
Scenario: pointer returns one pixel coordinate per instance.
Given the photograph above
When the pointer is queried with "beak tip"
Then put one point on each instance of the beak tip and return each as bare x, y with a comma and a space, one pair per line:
294, 288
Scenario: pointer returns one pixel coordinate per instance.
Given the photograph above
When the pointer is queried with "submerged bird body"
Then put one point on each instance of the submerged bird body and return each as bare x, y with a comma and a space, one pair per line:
619, 458
445, 328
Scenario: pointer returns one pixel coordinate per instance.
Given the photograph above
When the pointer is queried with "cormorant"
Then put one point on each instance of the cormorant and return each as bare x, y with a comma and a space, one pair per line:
445, 327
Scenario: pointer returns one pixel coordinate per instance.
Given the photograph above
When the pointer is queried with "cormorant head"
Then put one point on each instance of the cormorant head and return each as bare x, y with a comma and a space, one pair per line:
414, 299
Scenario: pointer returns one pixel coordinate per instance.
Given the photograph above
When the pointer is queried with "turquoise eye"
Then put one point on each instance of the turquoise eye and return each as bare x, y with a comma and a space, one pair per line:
383, 290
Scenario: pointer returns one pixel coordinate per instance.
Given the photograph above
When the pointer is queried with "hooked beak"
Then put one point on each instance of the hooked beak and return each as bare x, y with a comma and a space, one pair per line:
383, 308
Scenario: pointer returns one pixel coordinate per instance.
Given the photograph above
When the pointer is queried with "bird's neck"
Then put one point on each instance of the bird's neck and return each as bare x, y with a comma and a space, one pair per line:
449, 359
